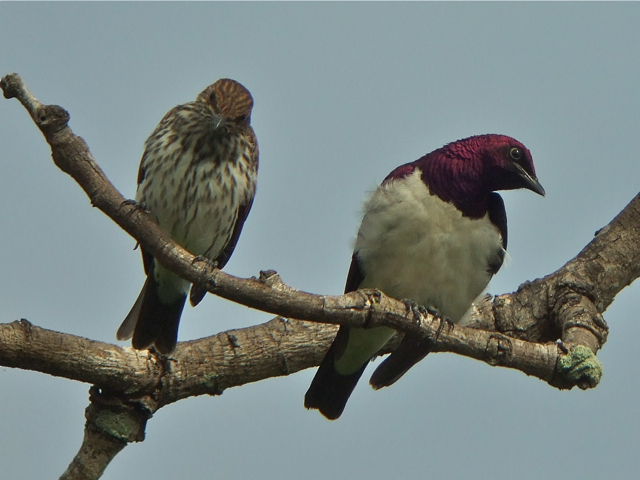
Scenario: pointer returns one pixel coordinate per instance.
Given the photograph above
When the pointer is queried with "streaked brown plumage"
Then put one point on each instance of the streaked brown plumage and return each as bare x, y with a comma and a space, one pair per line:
198, 178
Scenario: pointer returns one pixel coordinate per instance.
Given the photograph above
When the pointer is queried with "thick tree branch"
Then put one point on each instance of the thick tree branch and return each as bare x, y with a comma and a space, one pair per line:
206, 366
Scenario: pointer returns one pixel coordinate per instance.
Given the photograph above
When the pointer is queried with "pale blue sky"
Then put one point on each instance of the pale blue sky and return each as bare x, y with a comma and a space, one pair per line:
343, 94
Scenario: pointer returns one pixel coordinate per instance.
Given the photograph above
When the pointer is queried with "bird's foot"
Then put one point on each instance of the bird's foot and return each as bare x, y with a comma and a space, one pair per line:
200, 258
139, 206
198, 291
420, 311
443, 321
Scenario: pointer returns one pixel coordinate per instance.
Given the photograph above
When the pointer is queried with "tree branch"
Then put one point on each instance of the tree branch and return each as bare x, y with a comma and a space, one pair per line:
535, 313
111, 425
518, 330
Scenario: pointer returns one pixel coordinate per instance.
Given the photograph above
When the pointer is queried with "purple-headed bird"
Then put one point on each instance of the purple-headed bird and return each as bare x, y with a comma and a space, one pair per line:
197, 178
434, 233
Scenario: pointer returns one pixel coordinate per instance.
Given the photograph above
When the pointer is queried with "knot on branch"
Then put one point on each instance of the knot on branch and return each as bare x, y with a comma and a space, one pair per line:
499, 350
23, 327
51, 119
270, 278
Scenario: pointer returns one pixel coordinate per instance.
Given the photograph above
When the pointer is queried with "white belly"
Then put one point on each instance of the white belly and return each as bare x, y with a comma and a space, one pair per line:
412, 245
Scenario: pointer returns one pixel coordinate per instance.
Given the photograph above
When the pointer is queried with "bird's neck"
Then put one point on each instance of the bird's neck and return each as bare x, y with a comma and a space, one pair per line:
461, 186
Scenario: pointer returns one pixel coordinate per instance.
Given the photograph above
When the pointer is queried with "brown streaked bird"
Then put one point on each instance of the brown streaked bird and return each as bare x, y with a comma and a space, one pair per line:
197, 178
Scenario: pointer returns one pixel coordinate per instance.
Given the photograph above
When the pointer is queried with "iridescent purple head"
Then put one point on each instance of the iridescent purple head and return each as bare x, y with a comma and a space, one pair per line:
467, 171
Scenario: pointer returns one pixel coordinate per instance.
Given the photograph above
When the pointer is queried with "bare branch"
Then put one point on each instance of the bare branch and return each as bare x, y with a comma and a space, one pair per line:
236, 357
205, 366
538, 312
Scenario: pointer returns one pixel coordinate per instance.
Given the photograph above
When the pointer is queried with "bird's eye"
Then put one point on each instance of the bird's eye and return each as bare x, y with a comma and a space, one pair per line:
242, 118
515, 153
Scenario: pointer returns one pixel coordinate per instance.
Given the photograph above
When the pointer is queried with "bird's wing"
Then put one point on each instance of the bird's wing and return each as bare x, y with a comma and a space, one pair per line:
498, 216
355, 275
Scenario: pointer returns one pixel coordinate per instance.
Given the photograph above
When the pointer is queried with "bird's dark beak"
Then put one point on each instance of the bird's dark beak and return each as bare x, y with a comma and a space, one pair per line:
218, 121
531, 183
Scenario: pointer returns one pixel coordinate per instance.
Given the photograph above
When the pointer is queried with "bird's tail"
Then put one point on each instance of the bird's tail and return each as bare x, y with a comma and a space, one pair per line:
151, 322
410, 351
329, 390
